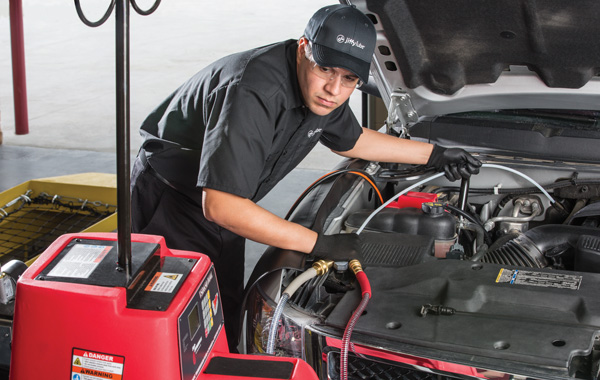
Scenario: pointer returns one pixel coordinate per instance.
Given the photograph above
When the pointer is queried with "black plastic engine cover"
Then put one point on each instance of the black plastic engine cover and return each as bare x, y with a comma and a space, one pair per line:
525, 321
392, 249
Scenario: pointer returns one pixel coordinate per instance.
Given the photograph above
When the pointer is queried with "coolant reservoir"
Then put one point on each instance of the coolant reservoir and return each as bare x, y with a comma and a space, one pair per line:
443, 244
430, 219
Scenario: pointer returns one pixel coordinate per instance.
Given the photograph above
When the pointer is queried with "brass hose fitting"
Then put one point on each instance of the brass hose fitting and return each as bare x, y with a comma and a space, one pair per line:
355, 266
322, 266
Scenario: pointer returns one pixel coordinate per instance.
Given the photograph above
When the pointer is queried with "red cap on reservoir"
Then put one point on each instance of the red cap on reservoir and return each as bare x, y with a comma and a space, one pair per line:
413, 199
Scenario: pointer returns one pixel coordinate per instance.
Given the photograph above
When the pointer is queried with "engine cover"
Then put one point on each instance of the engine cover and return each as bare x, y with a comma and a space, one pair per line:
533, 322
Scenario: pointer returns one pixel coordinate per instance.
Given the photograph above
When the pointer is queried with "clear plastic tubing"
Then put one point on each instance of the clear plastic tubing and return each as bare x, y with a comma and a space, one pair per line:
437, 175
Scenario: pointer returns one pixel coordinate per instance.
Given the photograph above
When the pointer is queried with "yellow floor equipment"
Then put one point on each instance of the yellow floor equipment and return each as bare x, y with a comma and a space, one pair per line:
34, 213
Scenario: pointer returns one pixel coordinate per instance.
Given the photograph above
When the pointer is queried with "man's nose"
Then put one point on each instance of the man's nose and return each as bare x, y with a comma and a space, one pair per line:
334, 85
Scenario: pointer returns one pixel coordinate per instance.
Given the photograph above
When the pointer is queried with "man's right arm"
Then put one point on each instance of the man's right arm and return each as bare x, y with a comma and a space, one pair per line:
247, 219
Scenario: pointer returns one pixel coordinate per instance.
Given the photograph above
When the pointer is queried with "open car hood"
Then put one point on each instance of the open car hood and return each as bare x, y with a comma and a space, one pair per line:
445, 57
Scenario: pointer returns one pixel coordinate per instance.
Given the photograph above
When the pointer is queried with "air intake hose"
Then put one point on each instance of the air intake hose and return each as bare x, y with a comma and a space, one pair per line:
528, 249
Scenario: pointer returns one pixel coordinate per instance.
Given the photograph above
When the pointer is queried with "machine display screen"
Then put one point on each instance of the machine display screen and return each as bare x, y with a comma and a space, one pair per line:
194, 321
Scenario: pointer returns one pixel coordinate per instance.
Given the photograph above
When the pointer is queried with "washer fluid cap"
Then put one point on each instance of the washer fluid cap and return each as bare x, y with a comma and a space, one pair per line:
433, 208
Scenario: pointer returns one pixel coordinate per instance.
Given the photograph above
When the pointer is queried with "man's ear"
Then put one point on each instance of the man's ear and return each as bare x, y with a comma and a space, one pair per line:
300, 52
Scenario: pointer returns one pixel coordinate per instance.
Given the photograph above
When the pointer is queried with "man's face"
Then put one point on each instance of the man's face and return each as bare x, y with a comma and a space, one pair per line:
321, 95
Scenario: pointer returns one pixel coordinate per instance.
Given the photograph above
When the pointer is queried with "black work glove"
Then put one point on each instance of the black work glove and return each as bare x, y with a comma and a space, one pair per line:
455, 162
340, 247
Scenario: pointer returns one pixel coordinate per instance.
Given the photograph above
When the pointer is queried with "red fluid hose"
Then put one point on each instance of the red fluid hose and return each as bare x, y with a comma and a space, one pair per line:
365, 287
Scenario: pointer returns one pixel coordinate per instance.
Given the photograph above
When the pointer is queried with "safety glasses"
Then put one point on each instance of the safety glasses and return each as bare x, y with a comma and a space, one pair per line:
331, 73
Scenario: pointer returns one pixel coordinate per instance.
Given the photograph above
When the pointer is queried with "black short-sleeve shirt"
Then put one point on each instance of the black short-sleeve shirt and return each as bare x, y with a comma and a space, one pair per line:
240, 125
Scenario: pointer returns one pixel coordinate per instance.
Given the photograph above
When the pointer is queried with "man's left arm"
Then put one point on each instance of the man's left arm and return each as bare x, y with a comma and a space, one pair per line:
375, 146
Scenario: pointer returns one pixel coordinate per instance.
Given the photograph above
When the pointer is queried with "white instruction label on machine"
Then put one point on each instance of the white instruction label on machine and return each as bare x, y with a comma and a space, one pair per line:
80, 261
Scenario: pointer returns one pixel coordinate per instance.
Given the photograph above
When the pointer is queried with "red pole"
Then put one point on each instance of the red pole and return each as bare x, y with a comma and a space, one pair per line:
18, 64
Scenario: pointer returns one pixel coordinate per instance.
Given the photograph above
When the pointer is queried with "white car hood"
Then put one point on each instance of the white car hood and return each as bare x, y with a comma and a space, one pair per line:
460, 55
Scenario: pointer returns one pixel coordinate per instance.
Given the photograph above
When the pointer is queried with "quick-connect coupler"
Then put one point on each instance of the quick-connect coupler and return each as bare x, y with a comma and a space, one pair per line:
361, 276
355, 266
322, 266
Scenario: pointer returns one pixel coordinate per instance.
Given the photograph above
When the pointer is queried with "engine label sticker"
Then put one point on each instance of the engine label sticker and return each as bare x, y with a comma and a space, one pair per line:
544, 279
164, 282
80, 261
92, 365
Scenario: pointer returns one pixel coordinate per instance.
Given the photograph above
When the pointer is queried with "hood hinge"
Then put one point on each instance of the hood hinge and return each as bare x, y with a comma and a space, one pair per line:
401, 114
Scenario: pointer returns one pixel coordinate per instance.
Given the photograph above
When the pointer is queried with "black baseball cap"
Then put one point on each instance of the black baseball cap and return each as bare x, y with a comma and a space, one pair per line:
342, 36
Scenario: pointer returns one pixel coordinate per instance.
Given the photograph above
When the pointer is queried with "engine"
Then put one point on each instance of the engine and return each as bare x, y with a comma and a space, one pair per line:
492, 274
513, 239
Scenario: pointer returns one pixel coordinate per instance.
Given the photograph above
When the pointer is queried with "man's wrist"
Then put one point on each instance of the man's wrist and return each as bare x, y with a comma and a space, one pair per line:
435, 158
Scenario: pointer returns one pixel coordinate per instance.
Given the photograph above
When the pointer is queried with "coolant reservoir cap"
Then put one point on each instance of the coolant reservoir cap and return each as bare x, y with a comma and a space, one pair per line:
433, 208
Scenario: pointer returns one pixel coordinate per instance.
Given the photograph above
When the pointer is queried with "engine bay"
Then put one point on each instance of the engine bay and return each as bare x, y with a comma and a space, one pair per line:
500, 272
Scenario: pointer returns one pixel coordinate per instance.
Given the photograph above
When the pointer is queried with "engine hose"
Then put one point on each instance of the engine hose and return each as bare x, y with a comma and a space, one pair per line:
318, 268
523, 176
287, 293
463, 213
366, 176
481, 246
347, 334
469, 217
365, 287
275, 323
501, 167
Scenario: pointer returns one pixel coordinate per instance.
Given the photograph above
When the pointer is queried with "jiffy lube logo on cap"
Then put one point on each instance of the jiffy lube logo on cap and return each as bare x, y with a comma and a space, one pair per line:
347, 40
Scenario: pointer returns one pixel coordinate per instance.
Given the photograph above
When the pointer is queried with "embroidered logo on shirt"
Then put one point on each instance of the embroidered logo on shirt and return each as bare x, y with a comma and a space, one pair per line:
312, 133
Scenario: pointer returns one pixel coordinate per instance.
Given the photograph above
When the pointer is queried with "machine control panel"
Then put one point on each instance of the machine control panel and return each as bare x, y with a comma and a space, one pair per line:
199, 326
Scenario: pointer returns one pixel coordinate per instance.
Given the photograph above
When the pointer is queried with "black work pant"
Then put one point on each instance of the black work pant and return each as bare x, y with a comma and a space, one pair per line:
158, 209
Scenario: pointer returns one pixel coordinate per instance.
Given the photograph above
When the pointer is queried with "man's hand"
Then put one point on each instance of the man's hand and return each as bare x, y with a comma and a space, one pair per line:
340, 247
456, 163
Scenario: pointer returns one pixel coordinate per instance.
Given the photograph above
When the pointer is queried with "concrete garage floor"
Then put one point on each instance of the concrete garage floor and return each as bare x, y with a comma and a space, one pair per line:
71, 85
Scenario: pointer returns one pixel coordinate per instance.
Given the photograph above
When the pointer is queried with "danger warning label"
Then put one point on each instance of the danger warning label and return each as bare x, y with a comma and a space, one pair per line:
91, 365
164, 282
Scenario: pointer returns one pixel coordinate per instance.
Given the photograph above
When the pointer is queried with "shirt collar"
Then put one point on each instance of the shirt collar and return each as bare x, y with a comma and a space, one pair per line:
295, 99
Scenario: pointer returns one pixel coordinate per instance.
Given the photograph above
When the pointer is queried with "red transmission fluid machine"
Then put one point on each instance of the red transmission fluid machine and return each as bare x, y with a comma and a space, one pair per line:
78, 317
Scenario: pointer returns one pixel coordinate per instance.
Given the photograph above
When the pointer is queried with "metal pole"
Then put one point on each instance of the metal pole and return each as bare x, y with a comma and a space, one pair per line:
18, 66
123, 138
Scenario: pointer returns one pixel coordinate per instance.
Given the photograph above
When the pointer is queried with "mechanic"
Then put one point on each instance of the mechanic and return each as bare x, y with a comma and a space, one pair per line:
220, 142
